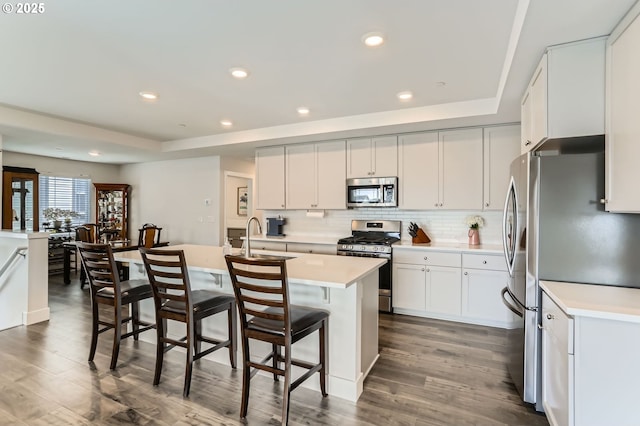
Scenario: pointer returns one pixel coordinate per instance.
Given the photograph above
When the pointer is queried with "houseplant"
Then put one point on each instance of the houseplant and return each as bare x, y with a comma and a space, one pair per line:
55, 215
474, 223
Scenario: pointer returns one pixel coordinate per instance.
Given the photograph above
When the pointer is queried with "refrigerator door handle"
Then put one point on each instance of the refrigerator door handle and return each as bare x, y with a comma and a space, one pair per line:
508, 304
508, 235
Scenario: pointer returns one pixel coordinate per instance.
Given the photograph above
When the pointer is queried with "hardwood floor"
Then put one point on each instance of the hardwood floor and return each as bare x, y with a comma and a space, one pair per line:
429, 373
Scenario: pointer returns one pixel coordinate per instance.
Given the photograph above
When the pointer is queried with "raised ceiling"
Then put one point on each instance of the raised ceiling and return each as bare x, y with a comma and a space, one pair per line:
71, 75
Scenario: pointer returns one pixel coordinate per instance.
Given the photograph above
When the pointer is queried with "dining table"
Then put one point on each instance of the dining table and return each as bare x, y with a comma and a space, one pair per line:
70, 247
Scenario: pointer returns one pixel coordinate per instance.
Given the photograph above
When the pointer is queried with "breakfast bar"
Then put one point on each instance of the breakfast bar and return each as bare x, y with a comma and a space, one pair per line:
347, 287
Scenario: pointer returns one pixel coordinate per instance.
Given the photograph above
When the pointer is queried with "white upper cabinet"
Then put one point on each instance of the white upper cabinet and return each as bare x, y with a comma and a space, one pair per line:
623, 125
372, 157
501, 147
270, 178
441, 170
301, 176
525, 125
566, 95
418, 171
461, 169
315, 176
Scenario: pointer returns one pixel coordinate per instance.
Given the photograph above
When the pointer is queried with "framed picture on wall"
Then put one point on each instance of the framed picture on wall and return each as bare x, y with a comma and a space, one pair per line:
243, 198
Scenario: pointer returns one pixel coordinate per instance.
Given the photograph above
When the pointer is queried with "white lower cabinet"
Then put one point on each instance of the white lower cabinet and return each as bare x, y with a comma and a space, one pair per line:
590, 368
409, 286
557, 363
426, 283
451, 285
483, 277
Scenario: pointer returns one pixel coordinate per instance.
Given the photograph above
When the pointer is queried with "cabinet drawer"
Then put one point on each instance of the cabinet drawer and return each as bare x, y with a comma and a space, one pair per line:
312, 248
557, 324
268, 245
427, 257
484, 261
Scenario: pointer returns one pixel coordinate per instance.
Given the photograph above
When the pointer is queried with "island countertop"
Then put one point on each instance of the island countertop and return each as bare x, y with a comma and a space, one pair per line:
309, 269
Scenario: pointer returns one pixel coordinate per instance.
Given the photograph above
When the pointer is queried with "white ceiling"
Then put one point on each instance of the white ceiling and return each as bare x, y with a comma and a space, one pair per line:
70, 76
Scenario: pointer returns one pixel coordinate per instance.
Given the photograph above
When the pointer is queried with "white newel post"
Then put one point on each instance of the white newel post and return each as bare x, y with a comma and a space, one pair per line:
24, 295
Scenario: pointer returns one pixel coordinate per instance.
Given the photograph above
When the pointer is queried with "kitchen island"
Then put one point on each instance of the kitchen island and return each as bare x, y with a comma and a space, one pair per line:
347, 287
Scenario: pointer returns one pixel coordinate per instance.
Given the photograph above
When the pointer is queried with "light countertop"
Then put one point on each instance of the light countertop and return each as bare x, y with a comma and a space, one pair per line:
333, 240
309, 269
453, 247
308, 239
596, 301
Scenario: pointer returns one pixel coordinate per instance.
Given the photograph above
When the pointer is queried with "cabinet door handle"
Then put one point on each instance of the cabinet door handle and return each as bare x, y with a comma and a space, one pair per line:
466, 273
550, 316
603, 201
426, 258
422, 269
527, 143
435, 205
428, 270
282, 205
484, 262
486, 204
540, 327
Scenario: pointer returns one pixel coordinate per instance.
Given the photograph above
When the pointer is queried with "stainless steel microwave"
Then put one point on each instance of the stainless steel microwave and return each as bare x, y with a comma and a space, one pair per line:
372, 192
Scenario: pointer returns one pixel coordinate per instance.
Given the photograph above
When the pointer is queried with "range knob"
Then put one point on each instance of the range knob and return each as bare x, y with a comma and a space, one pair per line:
350, 247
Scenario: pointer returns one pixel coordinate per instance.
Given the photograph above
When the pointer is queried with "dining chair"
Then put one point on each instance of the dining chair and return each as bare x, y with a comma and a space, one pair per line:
93, 232
149, 235
262, 295
176, 301
107, 289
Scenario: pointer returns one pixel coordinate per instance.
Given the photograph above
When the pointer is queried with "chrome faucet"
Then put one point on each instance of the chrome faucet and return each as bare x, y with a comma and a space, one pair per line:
247, 252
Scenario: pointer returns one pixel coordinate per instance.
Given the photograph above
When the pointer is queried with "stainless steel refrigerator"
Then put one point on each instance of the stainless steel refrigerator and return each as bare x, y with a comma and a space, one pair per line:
555, 228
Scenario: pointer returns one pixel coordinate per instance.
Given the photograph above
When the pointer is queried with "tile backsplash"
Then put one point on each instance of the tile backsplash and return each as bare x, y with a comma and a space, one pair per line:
440, 225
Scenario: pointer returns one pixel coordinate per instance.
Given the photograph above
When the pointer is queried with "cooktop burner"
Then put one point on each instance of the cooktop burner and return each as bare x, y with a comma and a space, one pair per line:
371, 237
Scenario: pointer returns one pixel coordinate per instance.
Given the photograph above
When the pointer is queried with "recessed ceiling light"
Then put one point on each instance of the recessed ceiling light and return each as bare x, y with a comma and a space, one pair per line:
303, 111
94, 153
239, 73
182, 125
373, 39
148, 96
405, 96
441, 83
226, 123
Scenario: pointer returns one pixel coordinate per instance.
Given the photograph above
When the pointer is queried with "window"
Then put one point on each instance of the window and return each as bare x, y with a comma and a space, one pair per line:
66, 194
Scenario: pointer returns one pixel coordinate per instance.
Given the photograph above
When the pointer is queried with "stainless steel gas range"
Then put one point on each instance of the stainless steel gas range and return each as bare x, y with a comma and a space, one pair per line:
374, 238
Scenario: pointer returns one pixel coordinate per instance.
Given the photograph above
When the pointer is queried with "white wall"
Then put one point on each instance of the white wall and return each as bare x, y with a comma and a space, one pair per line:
172, 195
98, 173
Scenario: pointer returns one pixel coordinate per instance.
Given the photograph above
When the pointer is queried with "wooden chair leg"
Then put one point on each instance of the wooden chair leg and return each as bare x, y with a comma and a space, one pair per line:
275, 350
233, 353
94, 330
135, 319
117, 336
324, 345
191, 345
161, 324
197, 337
246, 378
287, 386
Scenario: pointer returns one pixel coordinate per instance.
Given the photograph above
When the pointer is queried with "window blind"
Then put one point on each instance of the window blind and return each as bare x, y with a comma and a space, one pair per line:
67, 194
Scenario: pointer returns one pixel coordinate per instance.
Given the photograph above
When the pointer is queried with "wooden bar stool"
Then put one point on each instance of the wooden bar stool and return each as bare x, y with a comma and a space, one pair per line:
174, 300
262, 295
107, 289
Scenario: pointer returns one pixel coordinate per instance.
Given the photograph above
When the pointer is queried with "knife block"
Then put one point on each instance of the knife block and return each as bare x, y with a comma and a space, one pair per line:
421, 238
